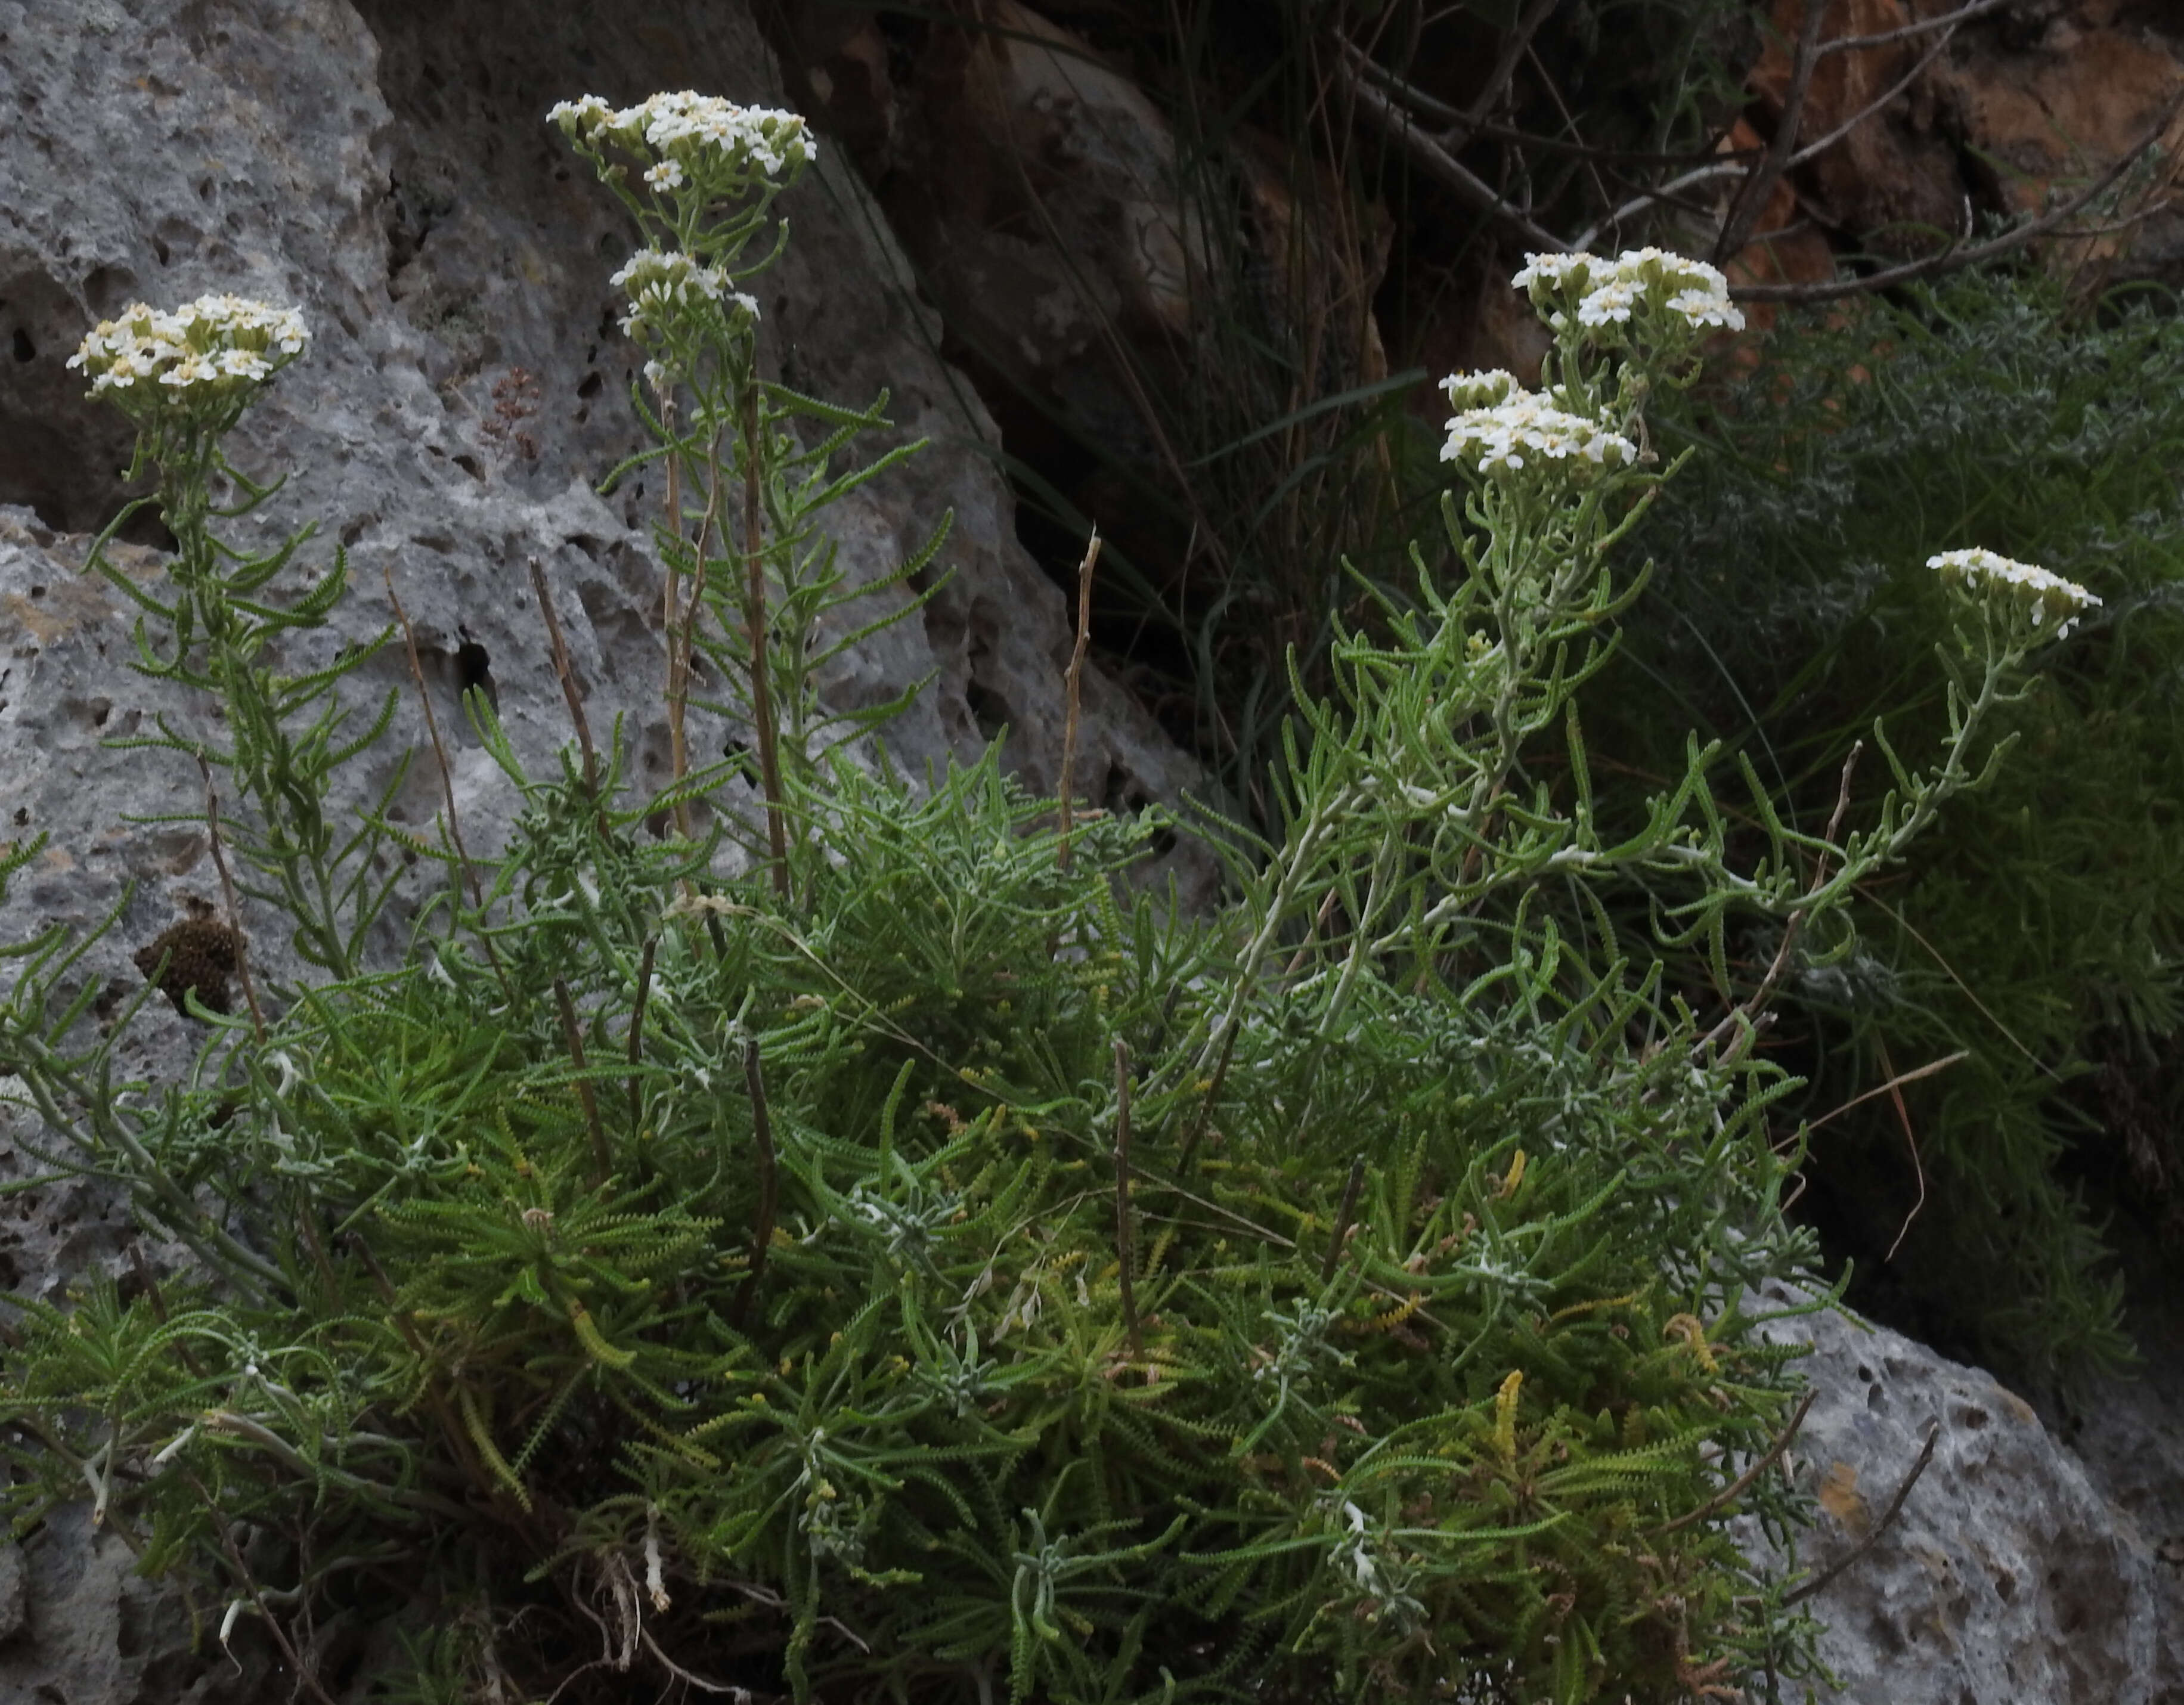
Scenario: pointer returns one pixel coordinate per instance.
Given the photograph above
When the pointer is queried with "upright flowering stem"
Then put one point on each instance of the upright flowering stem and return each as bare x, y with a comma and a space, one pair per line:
708, 171
755, 616
671, 617
185, 379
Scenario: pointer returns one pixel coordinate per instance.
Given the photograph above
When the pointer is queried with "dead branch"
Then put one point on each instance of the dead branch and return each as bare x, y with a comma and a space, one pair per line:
1073, 688
1955, 256
1730, 1493
1946, 20
1750, 198
1881, 1526
1443, 167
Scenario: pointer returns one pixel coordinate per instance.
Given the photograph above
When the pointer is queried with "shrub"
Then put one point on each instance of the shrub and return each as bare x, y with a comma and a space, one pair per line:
850, 1244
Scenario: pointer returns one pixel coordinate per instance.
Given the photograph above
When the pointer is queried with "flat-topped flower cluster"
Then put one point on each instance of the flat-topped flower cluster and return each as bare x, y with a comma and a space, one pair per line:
1619, 326
1988, 575
1500, 428
658, 282
686, 136
1640, 283
217, 346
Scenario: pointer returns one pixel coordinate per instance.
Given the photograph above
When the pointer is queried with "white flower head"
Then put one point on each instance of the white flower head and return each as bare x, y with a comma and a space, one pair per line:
221, 347
2040, 595
1555, 274
660, 283
1526, 435
581, 117
1647, 289
722, 146
1467, 391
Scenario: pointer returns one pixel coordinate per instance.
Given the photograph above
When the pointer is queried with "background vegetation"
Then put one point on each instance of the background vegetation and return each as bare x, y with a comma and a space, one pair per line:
2022, 411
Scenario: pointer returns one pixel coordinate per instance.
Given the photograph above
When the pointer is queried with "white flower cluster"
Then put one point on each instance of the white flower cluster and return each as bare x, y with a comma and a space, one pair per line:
688, 134
658, 282
214, 346
2032, 590
1501, 429
1602, 293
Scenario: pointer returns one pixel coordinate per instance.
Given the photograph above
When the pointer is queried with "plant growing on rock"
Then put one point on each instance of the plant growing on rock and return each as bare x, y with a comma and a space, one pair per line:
903, 1262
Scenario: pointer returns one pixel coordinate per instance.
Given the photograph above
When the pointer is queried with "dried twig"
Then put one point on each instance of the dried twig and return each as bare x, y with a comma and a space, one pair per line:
1895, 1089
759, 628
227, 890
1343, 1216
1122, 1240
1206, 1102
1954, 256
1881, 1526
1930, 1069
306, 1677
1729, 165
1072, 688
1749, 1011
636, 1029
1451, 173
447, 782
769, 1185
572, 1033
567, 674
1735, 1490
1946, 20
1750, 198
1514, 46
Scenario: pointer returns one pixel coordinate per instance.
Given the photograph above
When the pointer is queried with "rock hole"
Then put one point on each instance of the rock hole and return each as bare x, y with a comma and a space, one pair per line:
37, 592
591, 384
469, 464
1972, 1416
22, 816
2006, 1586
100, 708
160, 248
25, 350
474, 671
989, 709
1121, 797
109, 1001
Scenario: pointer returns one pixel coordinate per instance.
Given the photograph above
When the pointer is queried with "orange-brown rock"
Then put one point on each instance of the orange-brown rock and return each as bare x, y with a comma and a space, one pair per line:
2002, 116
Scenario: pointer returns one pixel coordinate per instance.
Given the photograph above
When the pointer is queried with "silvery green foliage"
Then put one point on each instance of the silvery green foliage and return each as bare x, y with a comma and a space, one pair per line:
911, 1270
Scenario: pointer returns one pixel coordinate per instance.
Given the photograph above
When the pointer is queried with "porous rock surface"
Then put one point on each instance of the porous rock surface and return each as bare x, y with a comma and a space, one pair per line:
2009, 1575
386, 166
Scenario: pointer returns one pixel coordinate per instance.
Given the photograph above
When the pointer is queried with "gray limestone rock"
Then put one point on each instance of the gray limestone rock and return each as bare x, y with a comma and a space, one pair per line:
2006, 1579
